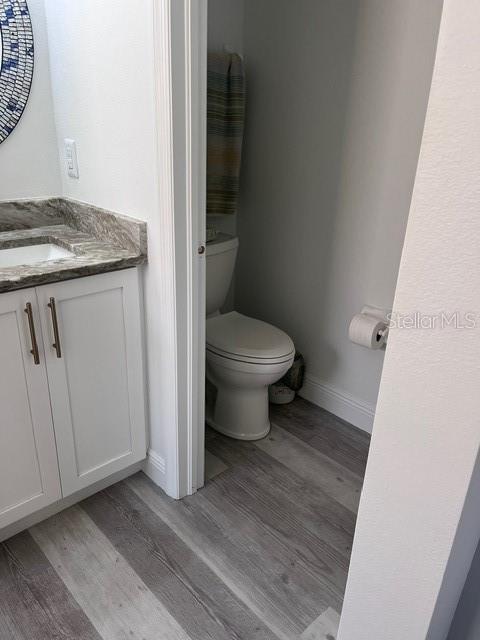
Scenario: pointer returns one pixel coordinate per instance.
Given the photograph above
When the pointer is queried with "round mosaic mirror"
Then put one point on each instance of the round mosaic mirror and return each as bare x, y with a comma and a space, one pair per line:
16, 56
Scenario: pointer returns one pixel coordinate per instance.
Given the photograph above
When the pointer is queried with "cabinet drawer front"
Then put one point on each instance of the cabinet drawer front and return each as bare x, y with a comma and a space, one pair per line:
28, 461
92, 329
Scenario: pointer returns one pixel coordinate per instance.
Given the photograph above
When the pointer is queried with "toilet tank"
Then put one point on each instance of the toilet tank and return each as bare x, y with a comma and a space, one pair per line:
221, 256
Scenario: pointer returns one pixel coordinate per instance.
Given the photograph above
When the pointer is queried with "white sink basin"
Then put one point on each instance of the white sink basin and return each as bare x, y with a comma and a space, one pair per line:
32, 254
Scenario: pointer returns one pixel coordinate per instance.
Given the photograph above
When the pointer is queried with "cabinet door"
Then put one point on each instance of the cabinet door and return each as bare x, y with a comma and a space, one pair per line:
95, 373
28, 460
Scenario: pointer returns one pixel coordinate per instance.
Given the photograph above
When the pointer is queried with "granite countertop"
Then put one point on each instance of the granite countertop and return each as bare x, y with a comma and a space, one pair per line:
101, 240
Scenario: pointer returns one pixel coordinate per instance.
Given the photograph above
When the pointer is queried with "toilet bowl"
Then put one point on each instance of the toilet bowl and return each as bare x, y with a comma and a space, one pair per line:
244, 356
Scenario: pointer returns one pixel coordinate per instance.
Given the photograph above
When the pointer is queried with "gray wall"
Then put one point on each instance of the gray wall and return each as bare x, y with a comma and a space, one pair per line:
466, 622
337, 94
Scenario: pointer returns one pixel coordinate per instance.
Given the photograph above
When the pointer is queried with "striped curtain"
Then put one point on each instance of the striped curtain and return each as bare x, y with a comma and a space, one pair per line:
225, 124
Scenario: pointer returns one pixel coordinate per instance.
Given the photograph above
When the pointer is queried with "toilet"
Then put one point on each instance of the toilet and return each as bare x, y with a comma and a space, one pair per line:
244, 355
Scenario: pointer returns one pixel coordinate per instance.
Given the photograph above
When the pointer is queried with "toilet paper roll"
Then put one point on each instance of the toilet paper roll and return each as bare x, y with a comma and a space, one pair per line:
367, 331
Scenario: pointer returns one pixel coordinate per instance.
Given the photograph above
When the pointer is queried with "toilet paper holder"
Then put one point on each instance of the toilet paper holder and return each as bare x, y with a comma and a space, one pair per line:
381, 314
370, 327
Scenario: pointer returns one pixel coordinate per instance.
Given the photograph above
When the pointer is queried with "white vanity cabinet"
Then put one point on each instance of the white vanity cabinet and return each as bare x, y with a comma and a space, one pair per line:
95, 374
29, 478
89, 338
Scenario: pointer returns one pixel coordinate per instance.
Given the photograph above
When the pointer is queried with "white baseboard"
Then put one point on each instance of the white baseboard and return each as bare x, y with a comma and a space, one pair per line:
341, 404
155, 468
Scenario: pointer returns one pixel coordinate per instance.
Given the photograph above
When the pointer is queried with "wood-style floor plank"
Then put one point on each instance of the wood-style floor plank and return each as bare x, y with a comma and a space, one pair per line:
315, 468
325, 432
313, 510
193, 594
213, 466
308, 571
34, 602
227, 553
325, 627
116, 600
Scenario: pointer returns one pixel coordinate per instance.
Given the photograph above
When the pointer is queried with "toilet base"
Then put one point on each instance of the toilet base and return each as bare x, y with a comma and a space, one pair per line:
242, 415
240, 408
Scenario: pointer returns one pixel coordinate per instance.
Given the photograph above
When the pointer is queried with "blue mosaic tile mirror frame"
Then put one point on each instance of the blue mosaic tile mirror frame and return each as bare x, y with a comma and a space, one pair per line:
16, 69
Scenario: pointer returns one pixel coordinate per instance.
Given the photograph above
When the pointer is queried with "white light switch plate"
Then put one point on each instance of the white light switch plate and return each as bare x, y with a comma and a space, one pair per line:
71, 158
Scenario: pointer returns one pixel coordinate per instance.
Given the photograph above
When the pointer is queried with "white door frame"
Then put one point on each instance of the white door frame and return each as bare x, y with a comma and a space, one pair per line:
189, 76
181, 69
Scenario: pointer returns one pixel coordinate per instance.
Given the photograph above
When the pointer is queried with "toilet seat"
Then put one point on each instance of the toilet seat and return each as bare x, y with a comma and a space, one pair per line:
244, 356
237, 337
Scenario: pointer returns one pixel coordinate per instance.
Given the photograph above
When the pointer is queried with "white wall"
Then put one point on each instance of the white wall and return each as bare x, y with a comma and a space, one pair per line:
101, 56
337, 93
105, 84
418, 523
225, 27
29, 164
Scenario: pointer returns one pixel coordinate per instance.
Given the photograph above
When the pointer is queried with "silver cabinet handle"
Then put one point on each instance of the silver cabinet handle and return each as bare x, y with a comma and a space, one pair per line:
33, 337
56, 335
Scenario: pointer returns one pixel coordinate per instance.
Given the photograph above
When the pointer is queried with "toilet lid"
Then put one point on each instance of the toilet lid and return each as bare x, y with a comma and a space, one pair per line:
239, 335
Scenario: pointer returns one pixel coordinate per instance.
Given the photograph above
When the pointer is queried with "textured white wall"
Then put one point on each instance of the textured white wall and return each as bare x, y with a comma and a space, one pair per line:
418, 521
337, 93
29, 165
